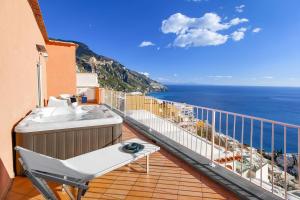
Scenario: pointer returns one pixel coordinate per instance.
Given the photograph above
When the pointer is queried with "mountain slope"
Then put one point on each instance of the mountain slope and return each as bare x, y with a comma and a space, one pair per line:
113, 74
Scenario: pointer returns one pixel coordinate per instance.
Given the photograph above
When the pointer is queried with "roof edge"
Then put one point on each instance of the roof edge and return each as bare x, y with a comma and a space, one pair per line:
61, 43
35, 7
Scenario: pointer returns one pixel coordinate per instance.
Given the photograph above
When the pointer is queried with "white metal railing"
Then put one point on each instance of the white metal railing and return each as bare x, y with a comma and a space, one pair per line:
265, 152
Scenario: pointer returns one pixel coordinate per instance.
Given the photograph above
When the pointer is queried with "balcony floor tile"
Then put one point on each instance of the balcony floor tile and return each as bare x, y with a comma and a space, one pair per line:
169, 178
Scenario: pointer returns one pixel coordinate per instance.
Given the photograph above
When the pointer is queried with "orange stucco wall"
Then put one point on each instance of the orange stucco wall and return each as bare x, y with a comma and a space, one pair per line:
19, 34
61, 69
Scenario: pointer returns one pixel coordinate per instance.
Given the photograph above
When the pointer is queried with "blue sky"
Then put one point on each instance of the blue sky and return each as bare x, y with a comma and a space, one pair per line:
218, 42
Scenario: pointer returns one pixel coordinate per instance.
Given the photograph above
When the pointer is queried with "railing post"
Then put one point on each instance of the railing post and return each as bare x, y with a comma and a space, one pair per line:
125, 102
285, 163
219, 135
272, 141
103, 95
213, 129
251, 148
206, 134
261, 149
111, 98
151, 115
242, 146
233, 135
298, 156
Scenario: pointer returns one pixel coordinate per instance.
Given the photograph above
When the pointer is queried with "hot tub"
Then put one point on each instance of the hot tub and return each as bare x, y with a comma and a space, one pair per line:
63, 133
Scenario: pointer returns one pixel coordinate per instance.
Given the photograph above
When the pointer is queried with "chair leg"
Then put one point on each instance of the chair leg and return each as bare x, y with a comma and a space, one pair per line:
79, 194
69, 193
84, 191
41, 185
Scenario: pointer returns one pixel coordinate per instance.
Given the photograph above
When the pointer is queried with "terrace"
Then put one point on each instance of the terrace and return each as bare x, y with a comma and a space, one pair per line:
195, 160
169, 178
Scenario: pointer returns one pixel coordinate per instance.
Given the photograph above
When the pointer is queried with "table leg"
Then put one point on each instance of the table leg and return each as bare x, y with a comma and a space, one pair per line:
147, 157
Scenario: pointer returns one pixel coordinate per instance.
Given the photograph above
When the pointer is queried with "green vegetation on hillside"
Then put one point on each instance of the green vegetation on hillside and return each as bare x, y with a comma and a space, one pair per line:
113, 74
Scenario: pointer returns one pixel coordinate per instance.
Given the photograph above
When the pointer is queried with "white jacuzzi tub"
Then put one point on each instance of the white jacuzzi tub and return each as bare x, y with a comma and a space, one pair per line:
67, 132
55, 118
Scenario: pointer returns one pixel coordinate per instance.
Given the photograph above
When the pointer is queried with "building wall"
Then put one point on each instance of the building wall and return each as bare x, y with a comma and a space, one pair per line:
264, 172
18, 75
87, 80
61, 69
87, 84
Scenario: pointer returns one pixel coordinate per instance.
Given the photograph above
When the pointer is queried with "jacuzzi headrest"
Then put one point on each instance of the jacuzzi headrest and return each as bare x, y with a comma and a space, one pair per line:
54, 102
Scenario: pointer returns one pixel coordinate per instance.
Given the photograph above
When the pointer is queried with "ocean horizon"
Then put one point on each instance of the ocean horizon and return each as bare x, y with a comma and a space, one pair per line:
274, 103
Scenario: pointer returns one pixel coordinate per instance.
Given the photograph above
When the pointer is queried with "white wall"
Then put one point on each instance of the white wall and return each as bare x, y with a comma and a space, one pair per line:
264, 173
87, 83
87, 80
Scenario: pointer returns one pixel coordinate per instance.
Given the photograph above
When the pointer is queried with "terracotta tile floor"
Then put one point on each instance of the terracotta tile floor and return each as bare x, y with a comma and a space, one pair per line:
169, 178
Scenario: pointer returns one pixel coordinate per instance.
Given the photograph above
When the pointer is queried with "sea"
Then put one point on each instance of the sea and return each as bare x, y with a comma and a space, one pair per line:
275, 103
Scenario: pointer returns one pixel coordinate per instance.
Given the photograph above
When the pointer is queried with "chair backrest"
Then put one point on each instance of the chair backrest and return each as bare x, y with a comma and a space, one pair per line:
39, 162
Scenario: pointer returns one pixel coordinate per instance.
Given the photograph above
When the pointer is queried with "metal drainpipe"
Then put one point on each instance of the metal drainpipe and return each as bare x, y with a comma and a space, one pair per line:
39, 84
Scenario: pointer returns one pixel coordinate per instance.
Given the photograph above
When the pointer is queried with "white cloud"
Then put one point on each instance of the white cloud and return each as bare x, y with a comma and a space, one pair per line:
176, 23
220, 76
146, 44
243, 29
168, 45
268, 77
175, 75
162, 79
200, 37
237, 21
195, 32
240, 8
256, 30
239, 34
145, 73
